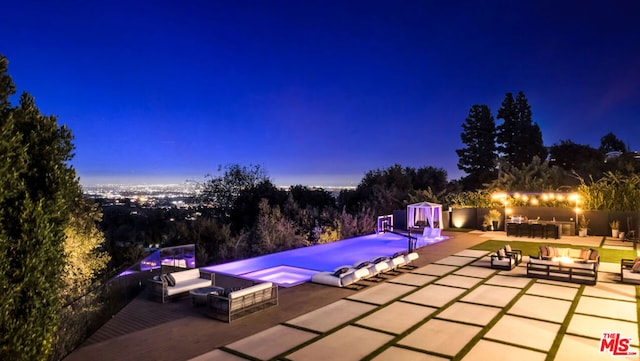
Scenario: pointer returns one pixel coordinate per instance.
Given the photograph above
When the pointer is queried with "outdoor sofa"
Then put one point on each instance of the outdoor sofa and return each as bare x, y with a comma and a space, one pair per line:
234, 304
565, 264
175, 284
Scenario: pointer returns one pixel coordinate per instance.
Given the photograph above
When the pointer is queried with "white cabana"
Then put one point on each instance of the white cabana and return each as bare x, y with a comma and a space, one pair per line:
427, 216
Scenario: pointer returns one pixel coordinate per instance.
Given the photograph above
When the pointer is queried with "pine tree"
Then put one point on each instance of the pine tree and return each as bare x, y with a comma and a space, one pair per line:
37, 188
519, 138
478, 159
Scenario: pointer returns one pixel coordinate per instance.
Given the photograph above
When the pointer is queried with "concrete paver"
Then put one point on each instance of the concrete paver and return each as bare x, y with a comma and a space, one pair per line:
331, 316
473, 271
622, 310
397, 353
553, 290
458, 281
271, 342
443, 337
541, 308
508, 281
470, 313
491, 295
413, 279
397, 317
434, 295
435, 269
349, 343
455, 261
539, 335
382, 293
495, 351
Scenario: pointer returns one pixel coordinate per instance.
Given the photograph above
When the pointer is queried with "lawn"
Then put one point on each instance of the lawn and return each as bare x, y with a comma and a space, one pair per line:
532, 248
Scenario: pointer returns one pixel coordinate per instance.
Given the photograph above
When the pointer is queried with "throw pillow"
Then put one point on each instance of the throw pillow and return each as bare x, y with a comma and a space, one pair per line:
340, 271
544, 251
170, 280
553, 252
636, 268
584, 253
507, 248
593, 255
398, 254
637, 260
379, 259
163, 278
501, 254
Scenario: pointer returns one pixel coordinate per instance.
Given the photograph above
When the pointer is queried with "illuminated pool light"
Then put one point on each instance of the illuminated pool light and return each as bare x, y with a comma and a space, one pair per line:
286, 276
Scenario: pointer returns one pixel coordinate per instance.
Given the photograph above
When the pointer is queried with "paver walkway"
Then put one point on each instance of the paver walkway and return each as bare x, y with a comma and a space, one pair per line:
456, 309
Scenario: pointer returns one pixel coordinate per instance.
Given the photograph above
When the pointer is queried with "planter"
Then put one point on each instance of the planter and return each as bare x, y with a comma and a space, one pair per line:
582, 232
621, 235
615, 233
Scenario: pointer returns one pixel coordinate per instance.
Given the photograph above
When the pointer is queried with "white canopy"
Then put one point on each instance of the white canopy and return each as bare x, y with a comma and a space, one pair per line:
425, 212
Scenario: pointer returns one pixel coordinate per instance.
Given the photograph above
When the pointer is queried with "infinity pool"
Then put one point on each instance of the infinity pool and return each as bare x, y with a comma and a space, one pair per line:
296, 266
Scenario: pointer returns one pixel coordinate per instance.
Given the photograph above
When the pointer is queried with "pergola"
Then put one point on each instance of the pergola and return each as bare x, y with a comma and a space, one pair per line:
425, 213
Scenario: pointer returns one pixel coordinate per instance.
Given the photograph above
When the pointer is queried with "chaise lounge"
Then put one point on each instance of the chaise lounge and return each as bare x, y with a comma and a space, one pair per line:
344, 276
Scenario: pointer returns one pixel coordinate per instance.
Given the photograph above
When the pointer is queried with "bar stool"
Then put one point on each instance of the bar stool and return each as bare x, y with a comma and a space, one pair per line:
537, 230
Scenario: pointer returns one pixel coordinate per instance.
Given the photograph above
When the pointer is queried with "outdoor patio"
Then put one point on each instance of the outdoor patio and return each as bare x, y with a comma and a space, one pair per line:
451, 307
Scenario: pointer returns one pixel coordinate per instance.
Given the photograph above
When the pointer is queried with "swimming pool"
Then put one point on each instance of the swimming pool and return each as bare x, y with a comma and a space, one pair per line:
296, 266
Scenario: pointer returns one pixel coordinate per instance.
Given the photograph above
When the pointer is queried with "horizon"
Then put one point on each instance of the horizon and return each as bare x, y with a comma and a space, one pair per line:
315, 92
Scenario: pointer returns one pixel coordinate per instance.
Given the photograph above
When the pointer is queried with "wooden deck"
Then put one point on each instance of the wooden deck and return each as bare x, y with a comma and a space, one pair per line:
178, 331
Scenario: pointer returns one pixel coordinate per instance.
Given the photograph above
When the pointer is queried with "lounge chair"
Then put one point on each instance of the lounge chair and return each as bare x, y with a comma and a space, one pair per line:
404, 260
344, 276
375, 270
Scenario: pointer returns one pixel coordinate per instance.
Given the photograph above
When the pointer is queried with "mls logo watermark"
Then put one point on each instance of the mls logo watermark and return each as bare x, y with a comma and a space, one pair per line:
617, 345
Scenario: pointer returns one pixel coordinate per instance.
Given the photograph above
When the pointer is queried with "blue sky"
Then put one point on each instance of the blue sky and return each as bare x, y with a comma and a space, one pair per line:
317, 92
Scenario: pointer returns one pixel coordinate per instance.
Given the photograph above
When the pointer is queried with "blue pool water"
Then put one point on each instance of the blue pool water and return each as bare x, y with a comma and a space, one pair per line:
295, 266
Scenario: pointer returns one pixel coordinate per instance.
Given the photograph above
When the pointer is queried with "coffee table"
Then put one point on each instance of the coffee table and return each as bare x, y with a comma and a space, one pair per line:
199, 295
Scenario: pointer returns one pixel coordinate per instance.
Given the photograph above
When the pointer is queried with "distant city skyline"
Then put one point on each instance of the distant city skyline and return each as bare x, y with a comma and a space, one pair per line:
316, 92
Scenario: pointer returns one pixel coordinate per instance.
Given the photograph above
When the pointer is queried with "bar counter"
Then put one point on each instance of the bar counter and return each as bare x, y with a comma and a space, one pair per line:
541, 229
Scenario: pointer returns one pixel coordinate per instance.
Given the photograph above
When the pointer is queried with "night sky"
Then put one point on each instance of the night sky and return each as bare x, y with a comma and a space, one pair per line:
317, 92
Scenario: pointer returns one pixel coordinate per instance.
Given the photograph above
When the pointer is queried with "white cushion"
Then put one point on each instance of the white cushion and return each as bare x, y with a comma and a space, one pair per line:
186, 275
251, 289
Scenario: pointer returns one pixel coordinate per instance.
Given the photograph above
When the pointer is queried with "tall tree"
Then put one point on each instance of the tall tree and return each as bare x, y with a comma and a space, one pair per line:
478, 158
579, 160
223, 191
610, 143
519, 138
37, 190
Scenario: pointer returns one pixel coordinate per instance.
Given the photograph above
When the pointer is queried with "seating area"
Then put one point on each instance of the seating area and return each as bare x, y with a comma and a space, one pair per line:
630, 270
236, 304
506, 258
373, 270
565, 264
166, 286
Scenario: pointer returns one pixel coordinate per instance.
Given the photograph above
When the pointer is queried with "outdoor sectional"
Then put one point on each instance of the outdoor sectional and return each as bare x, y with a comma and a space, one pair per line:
239, 303
565, 264
167, 286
